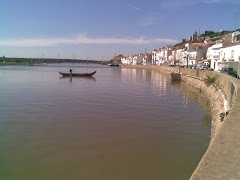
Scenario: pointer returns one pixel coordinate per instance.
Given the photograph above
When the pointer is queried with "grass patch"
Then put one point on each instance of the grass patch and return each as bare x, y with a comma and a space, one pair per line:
210, 80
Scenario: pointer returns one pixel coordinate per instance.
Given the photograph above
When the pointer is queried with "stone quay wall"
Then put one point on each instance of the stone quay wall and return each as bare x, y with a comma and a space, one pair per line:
222, 158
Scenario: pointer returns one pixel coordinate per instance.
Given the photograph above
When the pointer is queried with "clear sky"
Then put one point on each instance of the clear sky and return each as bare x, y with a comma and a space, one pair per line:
99, 29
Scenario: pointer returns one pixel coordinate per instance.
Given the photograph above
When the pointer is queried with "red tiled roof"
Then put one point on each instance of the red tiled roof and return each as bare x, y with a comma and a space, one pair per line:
226, 42
199, 44
180, 47
120, 55
209, 44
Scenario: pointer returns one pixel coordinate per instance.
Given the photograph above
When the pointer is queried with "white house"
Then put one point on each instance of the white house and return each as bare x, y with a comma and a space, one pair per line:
166, 54
124, 60
192, 58
117, 59
147, 59
230, 57
127, 60
130, 59
235, 36
214, 54
154, 57
178, 55
231, 53
195, 52
138, 59
159, 57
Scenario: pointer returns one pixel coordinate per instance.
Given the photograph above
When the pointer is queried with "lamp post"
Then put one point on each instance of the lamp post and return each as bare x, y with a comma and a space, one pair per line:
187, 60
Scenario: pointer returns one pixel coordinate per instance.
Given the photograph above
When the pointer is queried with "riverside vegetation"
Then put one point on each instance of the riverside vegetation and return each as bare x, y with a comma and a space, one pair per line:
210, 80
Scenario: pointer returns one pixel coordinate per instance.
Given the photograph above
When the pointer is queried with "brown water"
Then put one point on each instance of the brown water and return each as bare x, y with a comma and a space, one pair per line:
123, 124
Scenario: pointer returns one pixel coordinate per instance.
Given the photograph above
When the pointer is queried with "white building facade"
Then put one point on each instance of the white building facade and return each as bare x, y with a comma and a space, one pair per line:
138, 59
147, 60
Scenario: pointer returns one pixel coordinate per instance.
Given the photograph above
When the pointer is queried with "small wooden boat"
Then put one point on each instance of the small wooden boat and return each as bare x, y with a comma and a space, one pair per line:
78, 74
114, 65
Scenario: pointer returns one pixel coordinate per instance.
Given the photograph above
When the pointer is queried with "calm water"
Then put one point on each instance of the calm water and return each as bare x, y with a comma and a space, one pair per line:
123, 124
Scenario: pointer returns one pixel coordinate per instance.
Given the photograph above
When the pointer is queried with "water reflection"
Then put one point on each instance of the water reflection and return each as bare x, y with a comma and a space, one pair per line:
159, 83
193, 93
162, 85
79, 78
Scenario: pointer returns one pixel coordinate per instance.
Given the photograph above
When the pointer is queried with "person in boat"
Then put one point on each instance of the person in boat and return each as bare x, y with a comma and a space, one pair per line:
71, 71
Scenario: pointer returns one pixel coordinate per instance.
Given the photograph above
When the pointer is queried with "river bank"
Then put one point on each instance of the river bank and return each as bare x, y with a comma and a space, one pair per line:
13, 63
222, 158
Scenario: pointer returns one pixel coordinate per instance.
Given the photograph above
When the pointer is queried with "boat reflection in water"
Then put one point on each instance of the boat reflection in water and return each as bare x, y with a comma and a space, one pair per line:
78, 78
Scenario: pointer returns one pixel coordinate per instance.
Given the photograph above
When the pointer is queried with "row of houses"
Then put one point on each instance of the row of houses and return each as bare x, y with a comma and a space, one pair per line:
144, 59
222, 53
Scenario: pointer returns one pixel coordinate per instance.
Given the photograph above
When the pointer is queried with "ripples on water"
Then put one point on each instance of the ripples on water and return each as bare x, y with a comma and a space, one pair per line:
121, 124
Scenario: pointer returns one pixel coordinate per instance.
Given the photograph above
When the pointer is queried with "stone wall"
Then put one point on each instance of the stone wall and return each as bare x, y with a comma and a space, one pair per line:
222, 158
216, 98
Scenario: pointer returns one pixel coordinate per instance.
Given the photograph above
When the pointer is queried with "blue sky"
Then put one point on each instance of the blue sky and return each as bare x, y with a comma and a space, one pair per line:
99, 29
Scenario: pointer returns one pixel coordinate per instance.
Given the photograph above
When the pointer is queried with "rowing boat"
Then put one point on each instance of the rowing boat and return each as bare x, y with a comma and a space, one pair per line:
114, 65
78, 74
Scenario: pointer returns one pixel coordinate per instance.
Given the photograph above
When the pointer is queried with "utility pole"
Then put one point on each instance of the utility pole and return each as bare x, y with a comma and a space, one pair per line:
236, 14
42, 58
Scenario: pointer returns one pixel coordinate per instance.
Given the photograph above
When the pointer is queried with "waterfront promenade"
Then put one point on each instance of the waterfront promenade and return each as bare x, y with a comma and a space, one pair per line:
222, 158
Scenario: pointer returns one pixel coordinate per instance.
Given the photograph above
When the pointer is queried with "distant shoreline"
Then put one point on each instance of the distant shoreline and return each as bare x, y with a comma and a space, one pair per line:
13, 63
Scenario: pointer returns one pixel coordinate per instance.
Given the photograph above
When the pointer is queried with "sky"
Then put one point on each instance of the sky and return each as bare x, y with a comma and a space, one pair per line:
101, 29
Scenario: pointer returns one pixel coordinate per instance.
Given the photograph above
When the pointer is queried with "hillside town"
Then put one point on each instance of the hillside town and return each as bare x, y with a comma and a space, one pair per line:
221, 55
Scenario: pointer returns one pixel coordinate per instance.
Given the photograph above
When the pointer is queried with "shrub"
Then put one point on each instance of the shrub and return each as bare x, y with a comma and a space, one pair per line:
210, 80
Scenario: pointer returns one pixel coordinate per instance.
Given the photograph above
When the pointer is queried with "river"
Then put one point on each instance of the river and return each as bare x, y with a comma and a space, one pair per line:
122, 124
